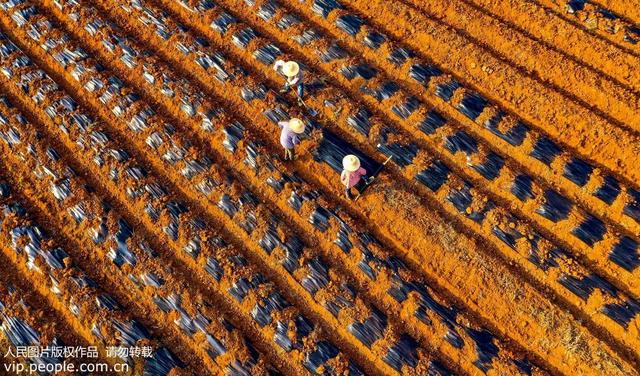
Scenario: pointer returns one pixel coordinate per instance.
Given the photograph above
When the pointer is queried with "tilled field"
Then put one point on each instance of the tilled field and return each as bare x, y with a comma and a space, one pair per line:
145, 200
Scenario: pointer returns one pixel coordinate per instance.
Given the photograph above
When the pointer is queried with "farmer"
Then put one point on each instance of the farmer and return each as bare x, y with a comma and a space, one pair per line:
292, 71
351, 173
289, 135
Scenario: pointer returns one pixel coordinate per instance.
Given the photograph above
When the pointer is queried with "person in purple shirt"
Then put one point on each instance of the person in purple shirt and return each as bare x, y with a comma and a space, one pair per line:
292, 71
289, 136
351, 173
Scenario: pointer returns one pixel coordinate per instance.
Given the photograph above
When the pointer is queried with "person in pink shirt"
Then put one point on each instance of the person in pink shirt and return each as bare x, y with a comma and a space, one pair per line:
351, 173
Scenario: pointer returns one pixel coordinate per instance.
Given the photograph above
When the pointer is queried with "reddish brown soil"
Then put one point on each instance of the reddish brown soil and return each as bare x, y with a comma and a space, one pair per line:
568, 78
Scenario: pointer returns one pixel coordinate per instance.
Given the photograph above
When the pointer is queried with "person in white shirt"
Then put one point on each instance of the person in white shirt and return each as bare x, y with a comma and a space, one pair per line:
291, 70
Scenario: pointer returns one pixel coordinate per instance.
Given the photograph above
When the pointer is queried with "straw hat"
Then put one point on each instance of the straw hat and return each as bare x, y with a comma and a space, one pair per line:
296, 125
290, 69
351, 163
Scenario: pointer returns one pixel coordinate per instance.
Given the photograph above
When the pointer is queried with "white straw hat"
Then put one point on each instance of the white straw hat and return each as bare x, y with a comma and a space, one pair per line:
290, 68
351, 163
296, 125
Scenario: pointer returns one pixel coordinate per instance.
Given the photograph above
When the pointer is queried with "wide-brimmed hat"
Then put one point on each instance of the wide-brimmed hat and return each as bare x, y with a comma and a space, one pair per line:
290, 69
296, 125
351, 163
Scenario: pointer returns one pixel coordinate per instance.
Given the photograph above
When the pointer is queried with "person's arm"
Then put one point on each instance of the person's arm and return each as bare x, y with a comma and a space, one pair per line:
295, 140
283, 124
278, 65
362, 171
344, 178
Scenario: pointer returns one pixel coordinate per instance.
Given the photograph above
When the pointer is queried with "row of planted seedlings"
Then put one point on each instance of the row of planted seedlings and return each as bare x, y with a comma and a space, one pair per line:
194, 240
599, 20
166, 30
576, 126
123, 253
368, 261
229, 205
569, 278
612, 248
92, 312
27, 320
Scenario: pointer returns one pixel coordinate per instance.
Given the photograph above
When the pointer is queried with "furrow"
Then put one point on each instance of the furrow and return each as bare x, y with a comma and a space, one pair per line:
540, 23
630, 9
590, 87
95, 223
168, 34
186, 226
359, 261
96, 315
609, 22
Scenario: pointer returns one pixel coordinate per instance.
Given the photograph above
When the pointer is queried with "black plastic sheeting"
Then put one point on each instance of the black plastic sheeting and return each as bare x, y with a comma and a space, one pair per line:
350, 23
222, 23
609, 190
434, 176
632, 209
402, 154
317, 358
317, 276
400, 55
233, 134
267, 10
5, 190
438, 369
521, 187
446, 90
324, 7
385, 91
371, 330
161, 363
590, 231
491, 167
622, 313
575, 5
361, 70
524, 365
431, 122
267, 54
508, 236
243, 37
374, 40
545, 150
514, 136
546, 261
360, 121
423, 73
578, 171
332, 149
262, 310
555, 206
461, 141
18, 332
402, 353
307, 36
485, 348
625, 254
333, 52
585, 286
287, 21
406, 108
472, 105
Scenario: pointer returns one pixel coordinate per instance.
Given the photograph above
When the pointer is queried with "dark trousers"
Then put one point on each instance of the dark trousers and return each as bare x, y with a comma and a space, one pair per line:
300, 89
349, 194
